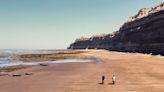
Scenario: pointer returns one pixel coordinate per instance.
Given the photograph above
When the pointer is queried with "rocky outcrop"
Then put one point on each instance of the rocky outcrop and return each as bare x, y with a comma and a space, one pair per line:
143, 33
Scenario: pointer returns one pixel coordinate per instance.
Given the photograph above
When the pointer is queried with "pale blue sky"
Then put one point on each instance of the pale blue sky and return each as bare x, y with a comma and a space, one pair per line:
54, 24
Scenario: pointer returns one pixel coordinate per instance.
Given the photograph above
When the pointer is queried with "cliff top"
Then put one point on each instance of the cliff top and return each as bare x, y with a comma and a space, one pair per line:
147, 11
94, 36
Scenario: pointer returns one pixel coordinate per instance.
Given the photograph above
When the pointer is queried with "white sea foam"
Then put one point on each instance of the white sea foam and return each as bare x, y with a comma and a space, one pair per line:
9, 52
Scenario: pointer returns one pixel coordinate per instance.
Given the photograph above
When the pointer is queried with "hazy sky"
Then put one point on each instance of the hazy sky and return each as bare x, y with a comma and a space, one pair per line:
54, 24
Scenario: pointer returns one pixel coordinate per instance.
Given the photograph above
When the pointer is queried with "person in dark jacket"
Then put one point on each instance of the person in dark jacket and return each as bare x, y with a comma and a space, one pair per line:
103, 78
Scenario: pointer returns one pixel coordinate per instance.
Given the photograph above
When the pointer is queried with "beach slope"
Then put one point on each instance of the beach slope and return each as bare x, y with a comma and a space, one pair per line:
134, 73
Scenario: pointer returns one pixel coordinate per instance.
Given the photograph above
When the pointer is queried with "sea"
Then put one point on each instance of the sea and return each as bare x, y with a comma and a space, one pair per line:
7, 57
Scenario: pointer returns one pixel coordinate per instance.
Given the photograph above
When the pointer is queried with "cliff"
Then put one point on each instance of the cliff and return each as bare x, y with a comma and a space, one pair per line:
142, 33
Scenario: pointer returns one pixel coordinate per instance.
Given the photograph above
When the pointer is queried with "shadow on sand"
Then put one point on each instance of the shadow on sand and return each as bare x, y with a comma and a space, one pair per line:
110, 84
101, 83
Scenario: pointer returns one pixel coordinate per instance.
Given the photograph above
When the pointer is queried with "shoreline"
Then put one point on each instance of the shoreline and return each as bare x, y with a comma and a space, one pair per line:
32, 59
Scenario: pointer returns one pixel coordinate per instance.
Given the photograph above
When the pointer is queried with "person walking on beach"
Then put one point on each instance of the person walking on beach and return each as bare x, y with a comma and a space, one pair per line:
114, 79
103, 78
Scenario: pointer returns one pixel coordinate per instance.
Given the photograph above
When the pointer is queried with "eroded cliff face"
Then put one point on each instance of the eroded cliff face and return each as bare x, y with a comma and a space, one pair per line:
143, 33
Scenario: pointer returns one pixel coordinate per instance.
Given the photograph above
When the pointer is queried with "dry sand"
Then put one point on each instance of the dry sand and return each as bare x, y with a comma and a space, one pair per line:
134, 73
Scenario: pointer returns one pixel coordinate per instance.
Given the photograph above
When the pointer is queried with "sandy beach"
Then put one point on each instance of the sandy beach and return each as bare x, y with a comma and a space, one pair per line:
134, 73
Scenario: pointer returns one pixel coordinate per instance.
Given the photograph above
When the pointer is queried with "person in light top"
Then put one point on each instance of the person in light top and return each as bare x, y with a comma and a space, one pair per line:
114, 79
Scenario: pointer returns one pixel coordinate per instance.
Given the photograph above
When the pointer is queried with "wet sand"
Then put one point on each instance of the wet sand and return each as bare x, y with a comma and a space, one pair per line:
134, 73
